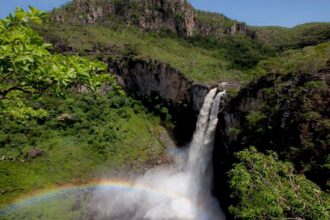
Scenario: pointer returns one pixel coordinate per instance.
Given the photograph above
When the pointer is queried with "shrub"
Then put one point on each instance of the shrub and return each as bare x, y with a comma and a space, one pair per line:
254, 117
266, 188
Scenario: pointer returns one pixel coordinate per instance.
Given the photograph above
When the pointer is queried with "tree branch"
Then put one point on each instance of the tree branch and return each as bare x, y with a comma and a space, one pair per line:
4, 93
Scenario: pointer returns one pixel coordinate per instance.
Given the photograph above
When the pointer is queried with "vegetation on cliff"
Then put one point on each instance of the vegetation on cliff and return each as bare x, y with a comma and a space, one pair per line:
84, 136
266, 188
300, 36
291, 118
199, 59
206, 47
218, 48
54, 128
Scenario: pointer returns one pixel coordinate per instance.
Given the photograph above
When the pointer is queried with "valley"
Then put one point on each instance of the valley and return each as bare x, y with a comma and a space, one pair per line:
116, 122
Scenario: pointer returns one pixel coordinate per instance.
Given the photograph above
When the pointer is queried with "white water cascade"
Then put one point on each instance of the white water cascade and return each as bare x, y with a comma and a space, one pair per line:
200, 154
178, 192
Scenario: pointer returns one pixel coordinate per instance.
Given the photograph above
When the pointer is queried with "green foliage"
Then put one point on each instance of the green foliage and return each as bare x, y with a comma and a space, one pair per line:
80, 136
194, 62
290, 117
70, 205
200, 59
320, 84
266, 188
216, 21
282, 39
234, 132
28, 69
255, 117
221, 56
18, 110
244, 52
307, 60
240, 51
84, 136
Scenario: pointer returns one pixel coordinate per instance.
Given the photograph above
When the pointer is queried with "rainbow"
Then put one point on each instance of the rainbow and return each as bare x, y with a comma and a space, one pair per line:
113, 184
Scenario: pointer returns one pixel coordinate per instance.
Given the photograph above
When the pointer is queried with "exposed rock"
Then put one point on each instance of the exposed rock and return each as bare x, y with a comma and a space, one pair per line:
64, 117
157, 80
34, 153
176, 16
166, 140
198, 93
156, 15
216, 25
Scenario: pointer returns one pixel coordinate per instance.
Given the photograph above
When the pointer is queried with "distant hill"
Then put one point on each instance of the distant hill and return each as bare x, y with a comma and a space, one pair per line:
292, 38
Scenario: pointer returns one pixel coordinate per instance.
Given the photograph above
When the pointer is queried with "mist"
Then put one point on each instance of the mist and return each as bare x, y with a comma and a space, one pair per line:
178, 191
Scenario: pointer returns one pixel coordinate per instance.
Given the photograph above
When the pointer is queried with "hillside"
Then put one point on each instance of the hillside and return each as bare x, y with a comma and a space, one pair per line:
205, 47
84, 137
176, 16
165, 39
195, 61
293, 38
58, 125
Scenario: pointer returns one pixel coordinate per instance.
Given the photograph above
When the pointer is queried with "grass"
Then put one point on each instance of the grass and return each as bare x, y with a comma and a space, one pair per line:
101, 135
293, 38
207, 61
57, 206
196, 63
309, 60
215, 20
200, 58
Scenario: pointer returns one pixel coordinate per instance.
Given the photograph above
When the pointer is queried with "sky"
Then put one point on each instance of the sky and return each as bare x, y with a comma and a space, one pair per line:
253, 12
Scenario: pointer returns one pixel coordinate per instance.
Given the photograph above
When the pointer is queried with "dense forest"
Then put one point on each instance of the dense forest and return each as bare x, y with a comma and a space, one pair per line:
72, 106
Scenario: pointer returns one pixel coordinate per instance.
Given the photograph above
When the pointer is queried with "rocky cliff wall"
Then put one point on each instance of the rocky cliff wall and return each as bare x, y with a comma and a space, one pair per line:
288, 114
146, 79
216, 25
159, 85
176, 16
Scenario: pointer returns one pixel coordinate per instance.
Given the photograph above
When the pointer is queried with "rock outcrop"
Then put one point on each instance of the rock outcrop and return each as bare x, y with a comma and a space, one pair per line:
216, 25
158, 85
147, 79
176, 16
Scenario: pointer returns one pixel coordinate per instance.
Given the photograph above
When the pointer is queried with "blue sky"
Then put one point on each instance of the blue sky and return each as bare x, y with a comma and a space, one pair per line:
254, 12
269, 12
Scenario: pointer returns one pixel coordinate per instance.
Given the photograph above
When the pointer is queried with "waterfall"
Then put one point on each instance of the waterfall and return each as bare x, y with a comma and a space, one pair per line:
181, 191
200, 154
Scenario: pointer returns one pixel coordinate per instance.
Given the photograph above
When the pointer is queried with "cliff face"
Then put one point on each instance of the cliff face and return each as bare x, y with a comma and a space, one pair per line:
145, 79
176, 16
216, 25
159, 85
285, 113
288, 114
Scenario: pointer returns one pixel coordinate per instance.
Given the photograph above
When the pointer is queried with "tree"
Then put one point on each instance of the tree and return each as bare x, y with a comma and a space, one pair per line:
29, 70
266, 188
